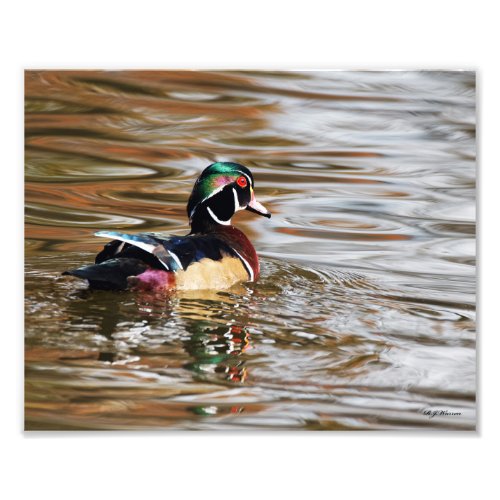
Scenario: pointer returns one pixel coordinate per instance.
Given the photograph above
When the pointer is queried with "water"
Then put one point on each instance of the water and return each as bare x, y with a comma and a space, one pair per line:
364, 316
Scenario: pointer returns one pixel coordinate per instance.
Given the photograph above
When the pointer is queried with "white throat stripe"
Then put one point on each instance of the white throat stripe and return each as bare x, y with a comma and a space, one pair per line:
216, 219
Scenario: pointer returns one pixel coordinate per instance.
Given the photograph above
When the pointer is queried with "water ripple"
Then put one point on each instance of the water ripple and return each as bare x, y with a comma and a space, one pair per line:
364, 316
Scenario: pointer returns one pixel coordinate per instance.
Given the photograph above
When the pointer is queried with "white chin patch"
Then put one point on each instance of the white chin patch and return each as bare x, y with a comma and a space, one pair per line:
216, 219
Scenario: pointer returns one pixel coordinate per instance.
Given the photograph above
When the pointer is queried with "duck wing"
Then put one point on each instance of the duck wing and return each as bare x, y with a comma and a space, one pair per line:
132, 254
174, 254
145, 246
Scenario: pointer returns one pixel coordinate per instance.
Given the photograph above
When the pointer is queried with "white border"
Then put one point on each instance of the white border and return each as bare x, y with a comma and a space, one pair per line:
261, 35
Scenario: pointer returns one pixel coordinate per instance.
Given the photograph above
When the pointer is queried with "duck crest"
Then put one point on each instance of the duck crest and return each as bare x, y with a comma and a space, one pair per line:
214, 254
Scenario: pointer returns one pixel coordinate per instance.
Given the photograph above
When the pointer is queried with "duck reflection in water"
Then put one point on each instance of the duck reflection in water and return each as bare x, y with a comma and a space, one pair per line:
214, 348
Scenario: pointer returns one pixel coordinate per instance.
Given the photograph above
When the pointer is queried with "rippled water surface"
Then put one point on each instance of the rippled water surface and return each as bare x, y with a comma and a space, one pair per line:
364, 316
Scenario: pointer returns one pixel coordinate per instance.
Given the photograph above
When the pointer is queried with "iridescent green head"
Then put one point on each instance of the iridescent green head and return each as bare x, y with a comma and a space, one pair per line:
222, 189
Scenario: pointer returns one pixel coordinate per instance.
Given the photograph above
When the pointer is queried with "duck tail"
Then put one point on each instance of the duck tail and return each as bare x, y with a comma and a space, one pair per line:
112, 274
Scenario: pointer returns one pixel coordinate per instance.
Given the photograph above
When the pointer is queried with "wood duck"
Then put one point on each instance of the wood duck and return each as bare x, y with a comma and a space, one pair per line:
214, 255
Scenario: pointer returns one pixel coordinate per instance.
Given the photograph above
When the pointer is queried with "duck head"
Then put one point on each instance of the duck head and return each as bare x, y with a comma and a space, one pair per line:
221, 190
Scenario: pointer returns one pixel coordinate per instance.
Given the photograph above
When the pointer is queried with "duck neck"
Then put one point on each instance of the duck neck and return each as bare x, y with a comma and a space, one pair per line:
205, 222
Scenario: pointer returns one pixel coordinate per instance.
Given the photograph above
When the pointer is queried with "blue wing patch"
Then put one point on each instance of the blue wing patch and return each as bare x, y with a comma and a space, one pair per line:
148, 243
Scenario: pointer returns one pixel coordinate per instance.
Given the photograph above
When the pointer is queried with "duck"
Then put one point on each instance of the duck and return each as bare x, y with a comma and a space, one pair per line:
213, 255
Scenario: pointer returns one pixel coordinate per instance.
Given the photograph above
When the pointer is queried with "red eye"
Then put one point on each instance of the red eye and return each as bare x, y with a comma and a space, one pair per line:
241, 181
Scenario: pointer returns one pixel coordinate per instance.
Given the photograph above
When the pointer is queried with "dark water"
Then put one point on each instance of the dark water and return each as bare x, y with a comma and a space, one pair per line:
364, 317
